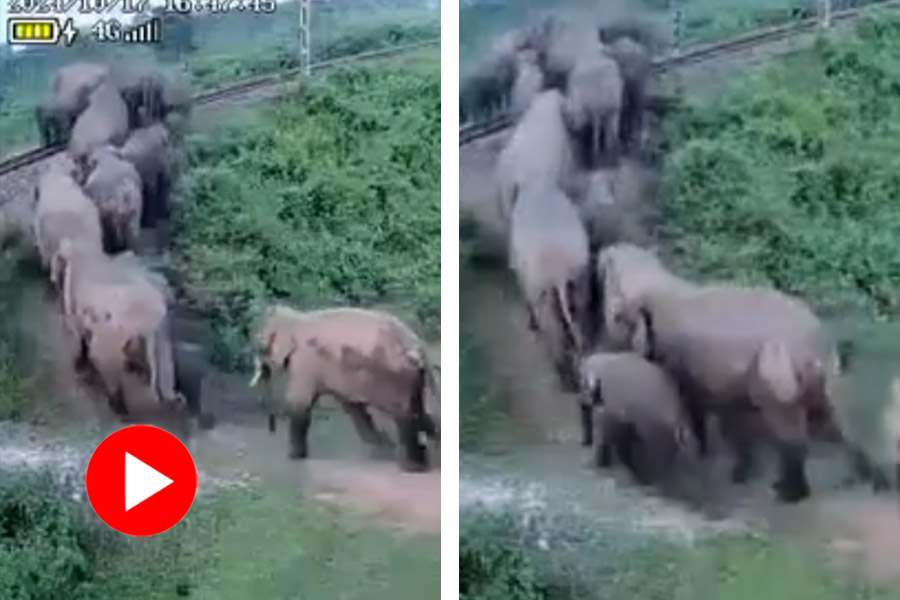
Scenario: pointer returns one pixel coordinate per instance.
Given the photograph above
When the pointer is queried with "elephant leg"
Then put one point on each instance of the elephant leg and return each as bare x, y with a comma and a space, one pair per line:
792, 485
82, 362
415, 455
300, 419
587, 423
603, 446
697, 420
736, 429
532, 318
611, 128
365, 426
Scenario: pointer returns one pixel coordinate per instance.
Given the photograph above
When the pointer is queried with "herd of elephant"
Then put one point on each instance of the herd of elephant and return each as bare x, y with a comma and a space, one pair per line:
88, 210
652, 356
599, 72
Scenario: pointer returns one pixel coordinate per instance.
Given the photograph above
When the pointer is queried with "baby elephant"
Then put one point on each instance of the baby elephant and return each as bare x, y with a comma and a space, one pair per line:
115, 187
634, 408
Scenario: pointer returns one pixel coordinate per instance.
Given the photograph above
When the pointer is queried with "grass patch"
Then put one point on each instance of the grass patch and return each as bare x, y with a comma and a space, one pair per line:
331, 197
790, 179
50, 549
14, 384
500, 559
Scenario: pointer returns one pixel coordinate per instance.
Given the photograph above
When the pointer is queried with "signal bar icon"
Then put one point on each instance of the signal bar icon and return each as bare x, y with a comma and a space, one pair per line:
36, 30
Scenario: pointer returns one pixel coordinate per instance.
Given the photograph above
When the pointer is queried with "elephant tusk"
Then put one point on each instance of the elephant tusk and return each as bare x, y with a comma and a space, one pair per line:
257, 374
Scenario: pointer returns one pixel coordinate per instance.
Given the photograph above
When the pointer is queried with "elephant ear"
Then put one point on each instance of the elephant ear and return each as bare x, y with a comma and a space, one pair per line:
773, 375
279, 347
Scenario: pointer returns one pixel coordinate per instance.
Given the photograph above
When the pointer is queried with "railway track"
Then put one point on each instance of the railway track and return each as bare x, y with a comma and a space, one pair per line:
700, 54
225, 94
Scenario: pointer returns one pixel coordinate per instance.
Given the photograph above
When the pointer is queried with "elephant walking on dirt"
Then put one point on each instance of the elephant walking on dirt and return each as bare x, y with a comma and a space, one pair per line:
365, 359
548, 251
104, 121
115, 186
593, 106
150, 151
62, 211
635, 66
72, 85
635, 410
538, 150
118, 312
737, 351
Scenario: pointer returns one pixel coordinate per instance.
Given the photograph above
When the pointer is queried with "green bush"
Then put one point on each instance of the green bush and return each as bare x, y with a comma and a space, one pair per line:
43, 542
13, 383
791, 178
332, 197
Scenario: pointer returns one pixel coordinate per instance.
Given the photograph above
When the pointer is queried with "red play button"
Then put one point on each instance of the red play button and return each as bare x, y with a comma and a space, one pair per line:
141, 480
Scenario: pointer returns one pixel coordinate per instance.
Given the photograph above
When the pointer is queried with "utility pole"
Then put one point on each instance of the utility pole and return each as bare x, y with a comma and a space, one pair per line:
824, 13
306, 36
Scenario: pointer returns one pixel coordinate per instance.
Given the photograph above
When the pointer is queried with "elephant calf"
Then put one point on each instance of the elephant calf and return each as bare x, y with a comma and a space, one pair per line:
635, 410
548, 252
115, 186
365, 359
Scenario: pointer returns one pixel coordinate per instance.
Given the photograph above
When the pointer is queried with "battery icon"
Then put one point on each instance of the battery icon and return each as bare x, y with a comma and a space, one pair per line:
28, 30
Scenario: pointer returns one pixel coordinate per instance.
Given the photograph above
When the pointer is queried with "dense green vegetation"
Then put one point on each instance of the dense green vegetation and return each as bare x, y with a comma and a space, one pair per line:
13, 383
51, 549
791, 178
332, 196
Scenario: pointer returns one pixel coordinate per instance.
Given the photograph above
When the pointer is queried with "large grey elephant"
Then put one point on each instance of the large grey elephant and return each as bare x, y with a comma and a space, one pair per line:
486, 88
365, 359
115, 186
104, 121
72, 85
736, 351
142, 87
593, 105
539, 149
528, 83
548, 252
632, 408
149, 150
62, 211
635, 66
564, 39
119, 315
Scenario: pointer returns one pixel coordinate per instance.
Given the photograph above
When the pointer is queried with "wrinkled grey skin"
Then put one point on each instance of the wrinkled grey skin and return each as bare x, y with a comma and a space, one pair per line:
631, 410
142, 88
149, 150
72, 85
528, 83
593, 103
548, 252
104, 121
738, 350
538, 150
634, 65
115, 187
564, 39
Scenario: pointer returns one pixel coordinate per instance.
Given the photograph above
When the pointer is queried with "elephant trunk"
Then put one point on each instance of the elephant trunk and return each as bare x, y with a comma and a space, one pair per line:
162, 363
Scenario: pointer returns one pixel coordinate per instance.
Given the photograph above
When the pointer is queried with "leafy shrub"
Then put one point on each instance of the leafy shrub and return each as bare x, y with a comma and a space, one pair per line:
13, 384
43, 543
791, 178
333, 197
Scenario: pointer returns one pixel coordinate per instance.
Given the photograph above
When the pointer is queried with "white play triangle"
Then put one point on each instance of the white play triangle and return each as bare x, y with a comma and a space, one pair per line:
141, 481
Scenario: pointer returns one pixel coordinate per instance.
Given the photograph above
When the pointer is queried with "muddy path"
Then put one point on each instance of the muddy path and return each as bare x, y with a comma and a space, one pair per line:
855, 526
